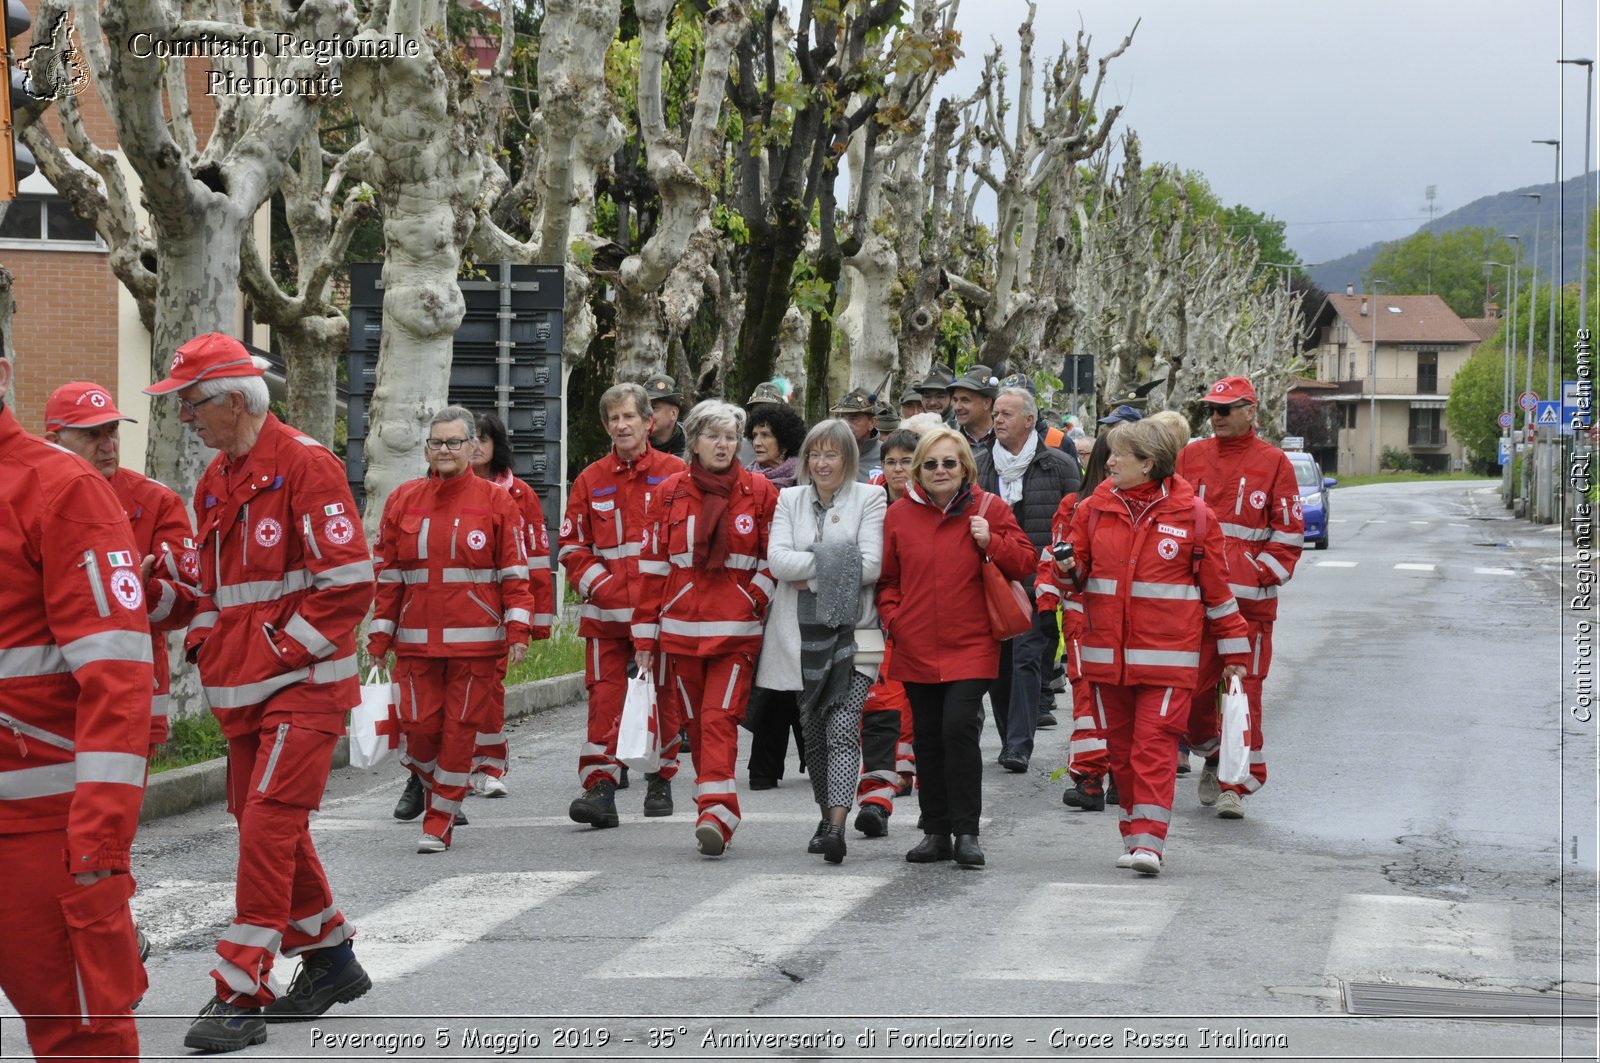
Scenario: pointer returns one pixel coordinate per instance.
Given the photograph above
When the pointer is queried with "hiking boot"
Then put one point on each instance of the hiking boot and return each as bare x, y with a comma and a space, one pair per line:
683, 742
622, 781
1111, 790
1085, 793
326, 977
1145, 861
411, 799
708, 838
833, 844
144, 944
873, 821
1230, 805
597, 807
657, 795
814, 846
222, 1027
1209, 787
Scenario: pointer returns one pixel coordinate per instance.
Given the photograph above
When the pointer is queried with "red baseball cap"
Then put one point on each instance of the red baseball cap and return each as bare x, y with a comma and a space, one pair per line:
209, 357
80, 404
1231, 389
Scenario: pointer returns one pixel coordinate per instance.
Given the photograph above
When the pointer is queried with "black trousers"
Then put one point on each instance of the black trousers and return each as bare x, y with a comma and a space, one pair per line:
772, 715
948, 721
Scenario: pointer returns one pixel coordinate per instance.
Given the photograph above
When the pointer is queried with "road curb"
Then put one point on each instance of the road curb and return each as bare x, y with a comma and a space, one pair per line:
185, 789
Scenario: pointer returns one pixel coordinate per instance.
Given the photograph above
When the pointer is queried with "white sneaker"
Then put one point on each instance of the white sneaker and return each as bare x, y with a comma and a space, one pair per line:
1209, 787
1229, 806
429, 843
488, 785
709, 839
1125, 861
1145, 861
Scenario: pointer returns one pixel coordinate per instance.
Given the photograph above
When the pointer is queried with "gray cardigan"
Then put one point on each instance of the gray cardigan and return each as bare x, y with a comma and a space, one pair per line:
860, 509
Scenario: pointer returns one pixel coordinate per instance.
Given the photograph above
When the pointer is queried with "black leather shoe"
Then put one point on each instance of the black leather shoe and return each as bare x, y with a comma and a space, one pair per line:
967, 852
930, 850
411, 800
758, 783
833, 844
814, 846
1013, 761
873, 821
460, 820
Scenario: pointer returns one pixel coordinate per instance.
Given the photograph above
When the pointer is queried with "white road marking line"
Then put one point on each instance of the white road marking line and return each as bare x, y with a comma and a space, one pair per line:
1336, 520
746, 930
1337, 564
449, 915
1419, 522
1406, 567
1411, 939
1494, 572
1377, 522
172, 909
1109, 936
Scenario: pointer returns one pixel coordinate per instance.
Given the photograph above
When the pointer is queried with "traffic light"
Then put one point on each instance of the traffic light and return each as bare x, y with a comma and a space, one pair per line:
16, 161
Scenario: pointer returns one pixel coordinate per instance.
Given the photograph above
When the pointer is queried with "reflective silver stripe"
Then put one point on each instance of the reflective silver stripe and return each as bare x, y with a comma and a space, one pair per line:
655, 568
161, 608
451, 778
422, 539
1166, 701
1254, 594
239, 980
395, 575
1239, 531
544, 620
351, 575
1227, 608
128, 647
125, 768
725, 786
411, 634
746, 562
1155, 812
272, 761
1097, 655
313, 924
38, 734
468, 575
616, 553
91, 567
1164, 658
1273, 563
1227, 646
1100, 586
1288, 538
1042, 589
539, 563
709, 628
238, 697
1170, 591
593, 573
439, 804
48, 781
19, 661
685, 559
232, 595
484, 739
161, 705
1143, 841
1255, 663
514, 572
763, 582
1073, 604
474, 634
562, 552
381, 627
203, 621
610, 616
300, 629
517, 616
311, 539
649, 632
253, 937
728, 817
733, 682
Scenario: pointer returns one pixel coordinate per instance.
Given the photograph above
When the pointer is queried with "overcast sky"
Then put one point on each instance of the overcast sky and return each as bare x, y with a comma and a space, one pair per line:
1333, 117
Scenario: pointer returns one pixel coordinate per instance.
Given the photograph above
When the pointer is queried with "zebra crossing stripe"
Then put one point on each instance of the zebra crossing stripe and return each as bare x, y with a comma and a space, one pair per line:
745, 930
1109, 936
451, 914
1411, 567
1494, 572
1337, 564
1420, 941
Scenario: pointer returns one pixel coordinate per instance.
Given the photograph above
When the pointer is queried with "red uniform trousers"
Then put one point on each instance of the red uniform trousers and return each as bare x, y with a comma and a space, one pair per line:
880, 744
1205, 717
715, 691
1086, 751
45, 962
605, 674
276, 777
443, 703
1142, 728
491, 753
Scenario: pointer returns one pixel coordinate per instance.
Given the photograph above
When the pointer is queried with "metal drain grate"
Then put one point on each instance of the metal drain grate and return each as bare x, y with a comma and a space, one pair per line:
1486, 1005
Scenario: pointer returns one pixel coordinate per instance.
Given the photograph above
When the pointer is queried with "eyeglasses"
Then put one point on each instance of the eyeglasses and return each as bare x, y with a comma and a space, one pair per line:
1220, 411
185, 406
897, 463
452, 445
934, 463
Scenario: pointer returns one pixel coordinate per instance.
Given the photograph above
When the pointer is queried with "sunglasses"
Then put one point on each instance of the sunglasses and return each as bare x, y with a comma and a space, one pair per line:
934, 463
1213, 410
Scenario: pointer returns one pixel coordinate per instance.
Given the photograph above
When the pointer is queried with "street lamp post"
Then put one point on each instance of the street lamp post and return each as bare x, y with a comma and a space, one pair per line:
1533, 306
1583, 260
1555, 283
1505, 378
1511, 364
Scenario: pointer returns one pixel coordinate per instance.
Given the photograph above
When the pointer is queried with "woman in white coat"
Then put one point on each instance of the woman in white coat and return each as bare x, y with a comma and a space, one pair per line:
827, 529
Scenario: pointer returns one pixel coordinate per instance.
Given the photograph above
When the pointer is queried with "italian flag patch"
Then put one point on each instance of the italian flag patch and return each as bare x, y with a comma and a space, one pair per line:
119, 559
333, 510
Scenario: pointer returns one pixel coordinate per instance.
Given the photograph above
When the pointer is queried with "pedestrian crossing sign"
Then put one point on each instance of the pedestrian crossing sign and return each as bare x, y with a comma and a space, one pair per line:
1549, 415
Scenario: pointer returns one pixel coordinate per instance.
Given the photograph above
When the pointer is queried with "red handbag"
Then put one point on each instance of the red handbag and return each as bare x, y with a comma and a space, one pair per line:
1010, 611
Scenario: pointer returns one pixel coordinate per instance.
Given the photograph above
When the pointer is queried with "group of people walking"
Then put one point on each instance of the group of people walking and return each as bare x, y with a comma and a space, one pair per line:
830, 580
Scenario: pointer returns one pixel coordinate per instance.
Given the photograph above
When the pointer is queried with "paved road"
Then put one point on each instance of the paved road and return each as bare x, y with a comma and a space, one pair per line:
1418, 829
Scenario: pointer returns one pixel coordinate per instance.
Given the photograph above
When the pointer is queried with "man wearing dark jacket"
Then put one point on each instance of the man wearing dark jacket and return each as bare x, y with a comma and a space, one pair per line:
1033, 478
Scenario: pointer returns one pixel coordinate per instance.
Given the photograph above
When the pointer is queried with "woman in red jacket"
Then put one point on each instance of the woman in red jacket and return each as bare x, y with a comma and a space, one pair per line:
1148, 559
931, 604
703, 593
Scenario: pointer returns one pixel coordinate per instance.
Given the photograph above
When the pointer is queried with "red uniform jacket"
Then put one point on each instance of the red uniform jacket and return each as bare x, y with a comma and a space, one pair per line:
285, 579
603, 533
452, 575
541, 570
688, 608
75, 675
1250, 486
930, 595
1145, 609
161, 530
1048, 591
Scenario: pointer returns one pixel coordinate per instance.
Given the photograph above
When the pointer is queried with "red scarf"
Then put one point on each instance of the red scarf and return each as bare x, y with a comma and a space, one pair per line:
711, 537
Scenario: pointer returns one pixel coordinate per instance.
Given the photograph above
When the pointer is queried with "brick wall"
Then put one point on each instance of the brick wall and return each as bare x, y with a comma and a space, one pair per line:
65, 326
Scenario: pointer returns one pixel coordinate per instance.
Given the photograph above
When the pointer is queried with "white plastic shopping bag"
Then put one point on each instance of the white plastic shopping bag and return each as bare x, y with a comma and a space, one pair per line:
1233, 762
639, 733
375, 723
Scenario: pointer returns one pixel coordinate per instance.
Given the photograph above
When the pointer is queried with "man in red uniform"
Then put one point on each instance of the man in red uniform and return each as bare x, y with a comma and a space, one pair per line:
602, 535
81, 417
285, 579
1251, 487
75, 685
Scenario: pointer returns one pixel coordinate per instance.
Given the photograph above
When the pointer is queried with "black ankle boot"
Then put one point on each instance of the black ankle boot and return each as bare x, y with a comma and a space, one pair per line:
814, 846
931, 849
967, 853
833, 844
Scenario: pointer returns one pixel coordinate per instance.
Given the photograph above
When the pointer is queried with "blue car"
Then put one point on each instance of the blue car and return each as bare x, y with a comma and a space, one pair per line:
1313, 496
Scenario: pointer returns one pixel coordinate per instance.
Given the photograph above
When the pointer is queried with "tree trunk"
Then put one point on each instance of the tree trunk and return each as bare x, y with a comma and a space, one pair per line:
311, 351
